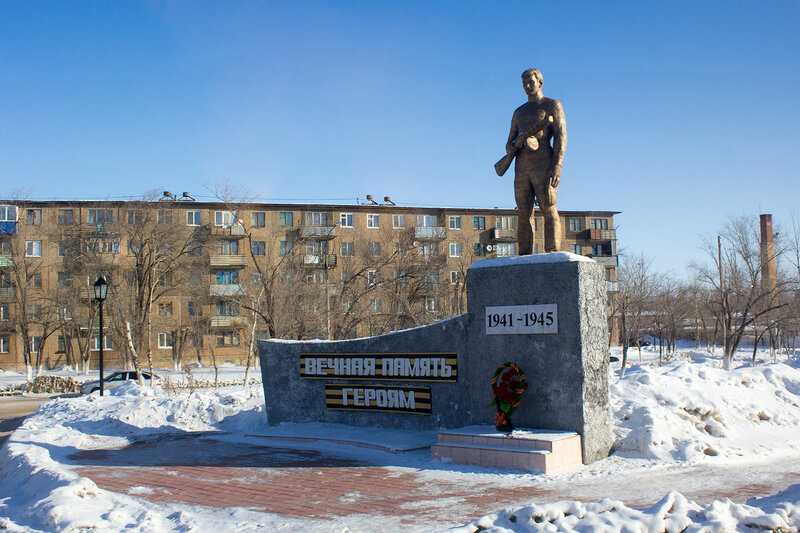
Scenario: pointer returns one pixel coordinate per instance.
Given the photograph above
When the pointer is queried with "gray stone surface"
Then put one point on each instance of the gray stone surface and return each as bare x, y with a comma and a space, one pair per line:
567, 372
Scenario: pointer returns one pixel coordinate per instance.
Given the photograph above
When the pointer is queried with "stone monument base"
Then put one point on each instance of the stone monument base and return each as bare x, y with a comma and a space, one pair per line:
532, 450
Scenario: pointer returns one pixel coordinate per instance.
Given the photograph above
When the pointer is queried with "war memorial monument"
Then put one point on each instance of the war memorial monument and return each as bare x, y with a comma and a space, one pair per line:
543, 316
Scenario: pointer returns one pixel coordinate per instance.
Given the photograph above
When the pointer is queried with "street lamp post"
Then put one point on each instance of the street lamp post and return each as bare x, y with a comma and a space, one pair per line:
100, 293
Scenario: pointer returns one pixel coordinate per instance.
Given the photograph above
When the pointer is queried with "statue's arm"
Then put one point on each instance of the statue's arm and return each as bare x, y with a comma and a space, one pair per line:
559, 142
512, 135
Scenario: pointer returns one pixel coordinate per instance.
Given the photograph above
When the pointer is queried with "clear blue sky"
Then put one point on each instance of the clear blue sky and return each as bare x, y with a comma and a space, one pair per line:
680, 114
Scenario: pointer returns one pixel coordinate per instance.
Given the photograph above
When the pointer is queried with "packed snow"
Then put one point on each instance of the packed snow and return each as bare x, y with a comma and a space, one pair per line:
676, 417
534, 259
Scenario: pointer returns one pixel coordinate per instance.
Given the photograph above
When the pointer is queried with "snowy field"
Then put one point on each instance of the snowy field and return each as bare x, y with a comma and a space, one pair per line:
685, 419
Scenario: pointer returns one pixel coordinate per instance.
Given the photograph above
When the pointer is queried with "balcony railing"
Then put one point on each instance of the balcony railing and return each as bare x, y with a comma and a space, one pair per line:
235, 230
225, 289
8, 228
224, 321
317, 232
600, 234
430, 233
319, 261
6, 262
228, 261
6, 293
607, 260
504, 235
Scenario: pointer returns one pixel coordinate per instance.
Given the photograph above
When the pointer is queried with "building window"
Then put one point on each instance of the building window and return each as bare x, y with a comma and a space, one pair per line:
33, 217
227, 277
427, 221
430, 304
398, 221
427, 249
346, 249
259, 248
227, 308
36, 343
577, 249
228, 247
107, 344
504, 222
165, 309
193, 218
574, 224
375, 305
455, 249
478, 249
600, 250
3, 311
62, 249
346, 220
65, 217
286, 219
64, 279
8, 213
100, 216
373, 221
505, 249
164, 216
62, 344
102, 246
36, 280
372, 278
600, 223
5, 247
223, 218
65, 314
374, 248
454, 222
135, 217
228, 338
479, 223
4, 340
33, 248
165, 339
193, 309
455, 277
258, 219
285, 247
317, 218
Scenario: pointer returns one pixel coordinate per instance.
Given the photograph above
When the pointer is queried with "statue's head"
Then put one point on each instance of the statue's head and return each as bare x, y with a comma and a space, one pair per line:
532, 81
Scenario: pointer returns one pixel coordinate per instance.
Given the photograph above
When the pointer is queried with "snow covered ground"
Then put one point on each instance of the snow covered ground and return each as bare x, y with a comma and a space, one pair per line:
684, 424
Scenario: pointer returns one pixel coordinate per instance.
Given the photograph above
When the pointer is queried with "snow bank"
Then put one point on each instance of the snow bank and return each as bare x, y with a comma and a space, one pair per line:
533, 259
687, 411
673, 513
38, 491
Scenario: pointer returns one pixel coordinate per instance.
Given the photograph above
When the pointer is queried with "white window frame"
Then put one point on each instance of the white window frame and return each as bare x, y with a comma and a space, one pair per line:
4, 312
482, 225
351, 249
430, 304
455, 249
504, 222
373, 221
375, 305
372, 277
346, 220
108, 344
6, 213
507, 247
5, 342
36, 346
254, 215
427, 221
194, 217
220, 219
600, 223
30, 248
398, 221
454, 222
575, 222
162, 340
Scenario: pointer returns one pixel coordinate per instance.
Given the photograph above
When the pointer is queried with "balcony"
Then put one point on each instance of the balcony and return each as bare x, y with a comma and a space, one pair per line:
318, 233
6, 262
225, 261
606, 260
8, 228
236, 230
600, 234
226, 289
7, 293
319, 261
504, 235
227, 322
612, 286
430, 233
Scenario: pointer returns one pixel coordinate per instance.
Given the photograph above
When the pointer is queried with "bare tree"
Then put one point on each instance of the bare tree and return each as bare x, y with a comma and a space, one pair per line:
635, 292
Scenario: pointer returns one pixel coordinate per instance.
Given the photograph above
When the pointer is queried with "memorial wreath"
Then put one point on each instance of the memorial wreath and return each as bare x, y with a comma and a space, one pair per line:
508, 385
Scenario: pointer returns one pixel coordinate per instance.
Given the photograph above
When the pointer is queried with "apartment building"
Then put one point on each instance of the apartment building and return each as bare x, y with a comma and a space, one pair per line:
327, 261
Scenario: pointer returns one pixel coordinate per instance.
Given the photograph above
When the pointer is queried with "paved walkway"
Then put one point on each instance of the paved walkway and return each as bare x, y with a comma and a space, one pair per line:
201, 470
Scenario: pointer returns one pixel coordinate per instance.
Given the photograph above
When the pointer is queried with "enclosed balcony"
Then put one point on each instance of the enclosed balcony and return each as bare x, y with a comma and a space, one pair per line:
612, 286
234, 230
6, 261
319, 260
609, 261
504, 235
6, 293
226, 261
317, 232
592, 234
430, 233
227, 322
225, 289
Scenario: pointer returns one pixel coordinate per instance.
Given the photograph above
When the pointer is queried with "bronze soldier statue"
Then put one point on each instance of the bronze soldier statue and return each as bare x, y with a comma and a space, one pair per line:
538, 163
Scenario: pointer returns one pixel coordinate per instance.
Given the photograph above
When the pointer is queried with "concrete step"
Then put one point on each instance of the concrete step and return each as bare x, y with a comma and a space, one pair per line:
531, 450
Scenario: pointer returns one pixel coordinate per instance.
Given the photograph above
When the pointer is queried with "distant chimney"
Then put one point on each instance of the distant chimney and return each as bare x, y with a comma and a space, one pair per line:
769, 267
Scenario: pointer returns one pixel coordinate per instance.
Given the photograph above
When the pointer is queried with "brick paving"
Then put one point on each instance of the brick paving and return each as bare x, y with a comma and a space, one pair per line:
290, 482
